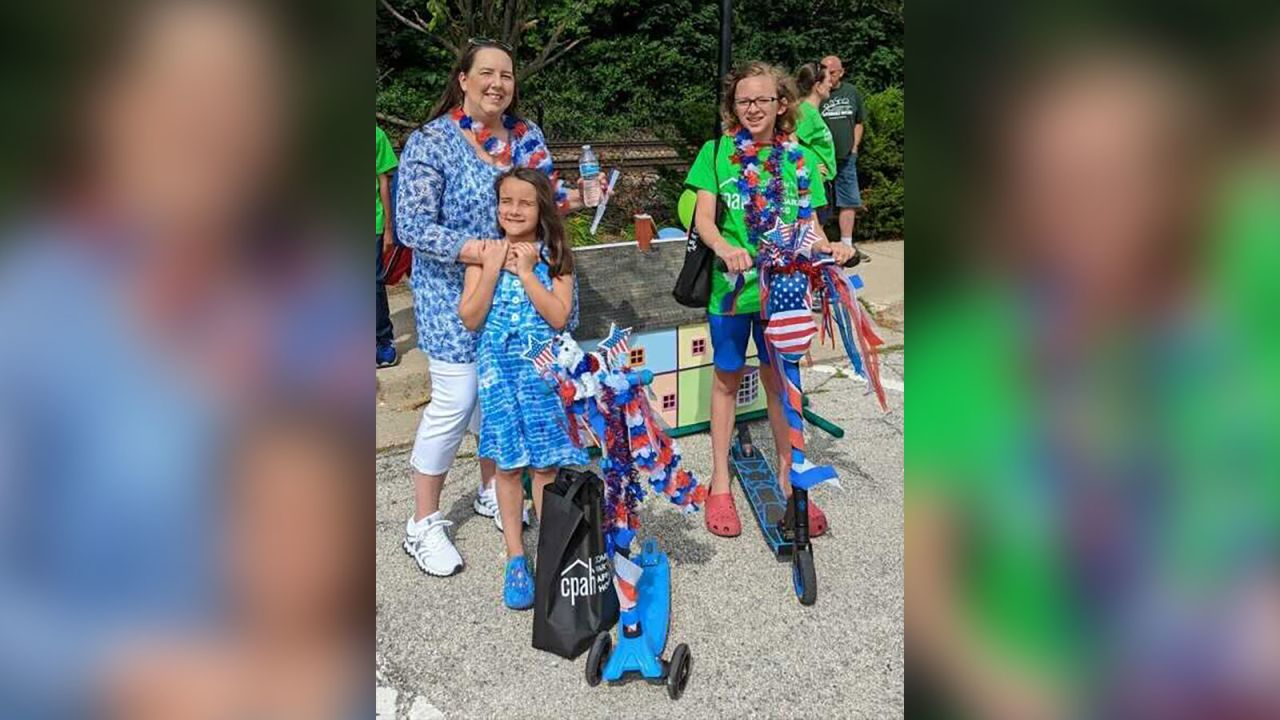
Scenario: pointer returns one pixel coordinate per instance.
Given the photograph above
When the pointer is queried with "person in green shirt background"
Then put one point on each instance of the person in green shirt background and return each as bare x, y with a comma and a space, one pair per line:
1092, 483
757, 169
811, 129
844, 114
384, 234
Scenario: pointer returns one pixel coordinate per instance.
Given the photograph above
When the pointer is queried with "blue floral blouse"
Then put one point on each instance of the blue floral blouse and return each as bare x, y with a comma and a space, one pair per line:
445, 198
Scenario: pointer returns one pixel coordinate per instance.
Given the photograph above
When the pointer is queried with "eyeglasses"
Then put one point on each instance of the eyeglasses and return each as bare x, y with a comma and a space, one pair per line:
760, 102
488, 42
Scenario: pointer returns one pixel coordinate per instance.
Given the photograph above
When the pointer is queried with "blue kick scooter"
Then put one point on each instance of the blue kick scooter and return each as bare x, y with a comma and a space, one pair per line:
642, 633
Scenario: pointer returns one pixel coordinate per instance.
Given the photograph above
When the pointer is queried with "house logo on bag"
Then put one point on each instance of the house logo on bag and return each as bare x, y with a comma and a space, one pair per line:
582, 580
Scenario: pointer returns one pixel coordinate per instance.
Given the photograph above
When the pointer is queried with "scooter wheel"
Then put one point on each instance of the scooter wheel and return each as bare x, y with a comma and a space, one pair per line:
678, 671
597, 656
803, 577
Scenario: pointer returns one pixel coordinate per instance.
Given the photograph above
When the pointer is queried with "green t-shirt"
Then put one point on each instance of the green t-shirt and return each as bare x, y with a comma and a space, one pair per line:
814, 134
842, 111
384, 162
971, 452
702, 176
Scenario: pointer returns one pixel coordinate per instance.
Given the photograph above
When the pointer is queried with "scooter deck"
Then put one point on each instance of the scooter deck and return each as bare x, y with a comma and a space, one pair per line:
642, 654
760, 485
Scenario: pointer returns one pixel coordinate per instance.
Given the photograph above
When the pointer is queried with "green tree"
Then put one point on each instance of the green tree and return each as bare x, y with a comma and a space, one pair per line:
649, 68
548, 28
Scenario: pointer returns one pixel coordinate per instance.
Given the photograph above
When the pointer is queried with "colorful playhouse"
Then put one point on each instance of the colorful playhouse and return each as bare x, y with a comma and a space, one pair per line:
630, 284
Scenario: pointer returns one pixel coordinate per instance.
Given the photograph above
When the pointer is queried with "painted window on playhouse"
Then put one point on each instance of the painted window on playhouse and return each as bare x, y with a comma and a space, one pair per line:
698, 346
668, 402
749, 389
636, 357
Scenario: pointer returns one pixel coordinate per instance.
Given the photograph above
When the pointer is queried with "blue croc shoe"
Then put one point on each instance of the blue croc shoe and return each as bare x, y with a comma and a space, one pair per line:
387, 356
517, 591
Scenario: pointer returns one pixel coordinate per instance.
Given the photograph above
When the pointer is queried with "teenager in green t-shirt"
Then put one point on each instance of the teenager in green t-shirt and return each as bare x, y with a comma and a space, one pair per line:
384, 161
811, 129
759, 112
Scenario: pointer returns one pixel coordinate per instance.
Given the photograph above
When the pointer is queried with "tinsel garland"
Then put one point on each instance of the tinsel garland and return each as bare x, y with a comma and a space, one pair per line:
763, 208
606, 401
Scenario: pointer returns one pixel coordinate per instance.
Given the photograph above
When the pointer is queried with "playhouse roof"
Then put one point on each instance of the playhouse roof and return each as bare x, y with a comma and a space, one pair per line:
620, 283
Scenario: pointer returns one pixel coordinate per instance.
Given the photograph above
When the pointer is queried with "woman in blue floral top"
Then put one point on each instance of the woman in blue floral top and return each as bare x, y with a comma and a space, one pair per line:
447, 212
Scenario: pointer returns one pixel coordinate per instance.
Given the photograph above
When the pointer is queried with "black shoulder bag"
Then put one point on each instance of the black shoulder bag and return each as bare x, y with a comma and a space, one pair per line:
693, 286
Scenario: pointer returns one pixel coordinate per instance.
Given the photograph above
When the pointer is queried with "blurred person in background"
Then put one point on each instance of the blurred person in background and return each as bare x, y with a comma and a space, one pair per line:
844, 114
297, 595
1096, 535
384, 237
171, 295
811, 130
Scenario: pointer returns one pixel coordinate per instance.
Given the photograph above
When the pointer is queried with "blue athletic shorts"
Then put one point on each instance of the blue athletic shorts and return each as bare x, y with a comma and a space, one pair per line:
730, 335
847, 195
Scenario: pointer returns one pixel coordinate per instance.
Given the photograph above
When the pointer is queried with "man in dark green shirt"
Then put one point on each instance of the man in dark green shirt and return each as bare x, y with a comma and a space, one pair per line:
844, 115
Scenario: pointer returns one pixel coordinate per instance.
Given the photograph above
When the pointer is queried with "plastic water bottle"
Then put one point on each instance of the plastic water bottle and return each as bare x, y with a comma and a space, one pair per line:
589, 169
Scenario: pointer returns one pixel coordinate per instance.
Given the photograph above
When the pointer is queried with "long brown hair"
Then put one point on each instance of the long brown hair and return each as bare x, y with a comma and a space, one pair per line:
452, 95
550, 227
786, 122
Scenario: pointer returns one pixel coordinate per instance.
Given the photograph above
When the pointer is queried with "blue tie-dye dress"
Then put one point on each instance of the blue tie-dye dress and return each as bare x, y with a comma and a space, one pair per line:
522, 423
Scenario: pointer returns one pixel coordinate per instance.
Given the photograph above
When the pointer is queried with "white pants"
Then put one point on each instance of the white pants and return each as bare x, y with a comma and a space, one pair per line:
454, 409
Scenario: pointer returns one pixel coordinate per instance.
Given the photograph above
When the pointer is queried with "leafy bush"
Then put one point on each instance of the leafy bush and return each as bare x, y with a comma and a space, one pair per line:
880, 167
613, 228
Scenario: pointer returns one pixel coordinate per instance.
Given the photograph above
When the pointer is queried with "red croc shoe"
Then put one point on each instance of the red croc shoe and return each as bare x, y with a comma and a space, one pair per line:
817, 521
722, 515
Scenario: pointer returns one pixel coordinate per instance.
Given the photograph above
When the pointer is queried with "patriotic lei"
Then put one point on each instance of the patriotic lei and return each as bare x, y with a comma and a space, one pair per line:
763, 208
534, 153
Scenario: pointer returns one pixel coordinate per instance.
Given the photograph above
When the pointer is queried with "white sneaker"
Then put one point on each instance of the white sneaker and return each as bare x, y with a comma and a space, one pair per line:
486, 504
427, 542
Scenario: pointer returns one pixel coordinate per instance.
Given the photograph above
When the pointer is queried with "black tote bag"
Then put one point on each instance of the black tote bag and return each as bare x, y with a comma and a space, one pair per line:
573, 593
693, 285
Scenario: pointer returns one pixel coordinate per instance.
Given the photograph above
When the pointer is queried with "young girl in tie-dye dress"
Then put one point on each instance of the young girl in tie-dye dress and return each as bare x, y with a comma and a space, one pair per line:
520, 300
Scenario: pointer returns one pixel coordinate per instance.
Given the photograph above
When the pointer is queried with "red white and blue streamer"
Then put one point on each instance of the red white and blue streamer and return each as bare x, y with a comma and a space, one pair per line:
789, 273
606, 403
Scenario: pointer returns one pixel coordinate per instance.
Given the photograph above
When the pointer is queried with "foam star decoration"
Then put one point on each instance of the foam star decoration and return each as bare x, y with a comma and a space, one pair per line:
778, 235
540, 353
616, 343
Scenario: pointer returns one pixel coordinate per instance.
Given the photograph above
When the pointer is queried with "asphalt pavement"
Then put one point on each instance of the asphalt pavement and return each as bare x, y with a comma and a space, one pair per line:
446, 647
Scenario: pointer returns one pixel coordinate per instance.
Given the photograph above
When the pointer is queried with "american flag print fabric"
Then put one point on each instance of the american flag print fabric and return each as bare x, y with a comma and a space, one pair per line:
789, 325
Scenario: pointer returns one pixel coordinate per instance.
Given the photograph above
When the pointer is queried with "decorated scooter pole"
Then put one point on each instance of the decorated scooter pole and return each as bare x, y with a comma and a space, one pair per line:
788, 334
789, 273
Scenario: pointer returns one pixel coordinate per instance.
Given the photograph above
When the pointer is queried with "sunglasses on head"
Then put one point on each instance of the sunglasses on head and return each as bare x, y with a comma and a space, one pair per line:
488, 42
